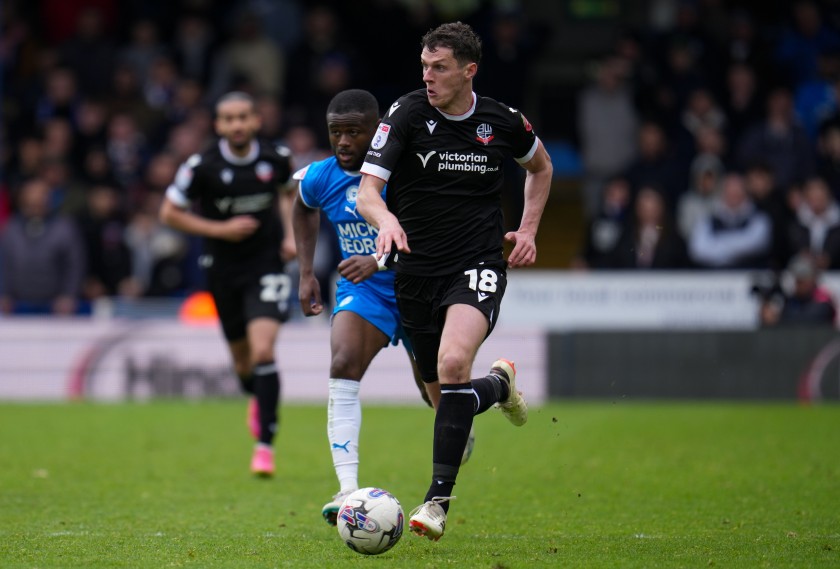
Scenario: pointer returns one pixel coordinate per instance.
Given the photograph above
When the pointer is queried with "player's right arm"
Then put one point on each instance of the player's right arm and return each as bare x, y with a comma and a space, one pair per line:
306, 222
175, 210
372, 207
233, 229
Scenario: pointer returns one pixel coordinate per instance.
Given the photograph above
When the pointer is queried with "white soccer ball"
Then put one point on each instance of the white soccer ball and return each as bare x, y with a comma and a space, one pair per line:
370, 521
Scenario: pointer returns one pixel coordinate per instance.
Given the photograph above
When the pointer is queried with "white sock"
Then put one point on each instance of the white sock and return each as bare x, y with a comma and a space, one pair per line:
344, 422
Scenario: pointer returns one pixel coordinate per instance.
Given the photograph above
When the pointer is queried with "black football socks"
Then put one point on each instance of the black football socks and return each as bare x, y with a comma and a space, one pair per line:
267, 391
246, 383
453, 421
489, 390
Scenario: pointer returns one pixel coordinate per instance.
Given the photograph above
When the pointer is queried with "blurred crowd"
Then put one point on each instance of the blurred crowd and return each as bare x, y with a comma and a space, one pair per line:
709, 136
712, 140
103, 99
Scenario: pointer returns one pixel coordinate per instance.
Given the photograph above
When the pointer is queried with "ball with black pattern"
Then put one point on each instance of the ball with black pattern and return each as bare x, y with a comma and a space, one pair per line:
370, 521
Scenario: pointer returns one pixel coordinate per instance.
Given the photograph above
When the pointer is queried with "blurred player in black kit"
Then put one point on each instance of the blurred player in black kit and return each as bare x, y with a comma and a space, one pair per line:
441, 150
237, 184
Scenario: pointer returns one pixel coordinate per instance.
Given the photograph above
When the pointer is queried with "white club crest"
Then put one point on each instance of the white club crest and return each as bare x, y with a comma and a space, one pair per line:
484, 133
352, 193
264, 171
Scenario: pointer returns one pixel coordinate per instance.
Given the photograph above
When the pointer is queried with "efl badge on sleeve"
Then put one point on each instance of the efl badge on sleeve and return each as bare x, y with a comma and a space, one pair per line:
381, 136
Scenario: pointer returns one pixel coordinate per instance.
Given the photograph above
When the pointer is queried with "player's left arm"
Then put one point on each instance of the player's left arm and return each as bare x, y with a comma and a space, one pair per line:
537, 185
288, 250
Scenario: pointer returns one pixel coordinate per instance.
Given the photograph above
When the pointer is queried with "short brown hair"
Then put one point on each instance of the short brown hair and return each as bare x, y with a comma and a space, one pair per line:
457, 36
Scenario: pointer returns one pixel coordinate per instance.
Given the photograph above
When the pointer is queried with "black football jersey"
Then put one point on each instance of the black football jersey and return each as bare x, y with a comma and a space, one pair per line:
224, 185
444, 178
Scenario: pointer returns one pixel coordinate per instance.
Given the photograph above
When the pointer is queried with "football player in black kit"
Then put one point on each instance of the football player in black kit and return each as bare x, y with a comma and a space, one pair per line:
236, 184
441, 150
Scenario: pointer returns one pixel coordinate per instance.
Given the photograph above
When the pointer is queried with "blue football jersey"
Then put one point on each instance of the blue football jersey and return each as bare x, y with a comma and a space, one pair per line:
326, 186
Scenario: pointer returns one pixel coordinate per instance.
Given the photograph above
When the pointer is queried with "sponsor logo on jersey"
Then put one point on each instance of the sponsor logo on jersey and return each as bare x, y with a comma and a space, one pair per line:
459, 162
482, 296
357, 237
245, 204
226, 175
430, 124
425, 159
484, 133
264, 171
393, 108
223, 204
381, 136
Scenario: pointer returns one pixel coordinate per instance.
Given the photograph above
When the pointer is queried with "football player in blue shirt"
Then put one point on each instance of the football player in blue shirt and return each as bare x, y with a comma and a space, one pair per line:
365, 318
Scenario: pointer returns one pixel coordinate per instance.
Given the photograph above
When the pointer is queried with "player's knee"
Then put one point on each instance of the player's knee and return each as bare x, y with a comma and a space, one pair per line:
262, 354
453, 367
346, 366
242, 368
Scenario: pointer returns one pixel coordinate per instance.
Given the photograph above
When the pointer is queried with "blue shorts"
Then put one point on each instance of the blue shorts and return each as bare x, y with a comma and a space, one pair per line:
374, 305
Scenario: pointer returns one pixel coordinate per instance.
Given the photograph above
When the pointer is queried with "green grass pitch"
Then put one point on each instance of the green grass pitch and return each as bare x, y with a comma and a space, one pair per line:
598, 485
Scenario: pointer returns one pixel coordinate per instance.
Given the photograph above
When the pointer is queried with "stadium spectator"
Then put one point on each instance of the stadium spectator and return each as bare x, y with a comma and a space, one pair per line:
807, 304
60, 96
42, 255
816, 229
109, 266
58, 137
322, 39
160, 84
761, 187
682, 74
26, 160
701, 117
249, 58
747, 46
707, 173
96, 168
780, 141
91, 119
126, 98
735, 235
126, 148
828, 155
144, 47
650, 240
803, 41
655, 165
90, 52
742, 103
511, 49
605, 229
158, 252
67, 194
194, 47
273, 117
606, 121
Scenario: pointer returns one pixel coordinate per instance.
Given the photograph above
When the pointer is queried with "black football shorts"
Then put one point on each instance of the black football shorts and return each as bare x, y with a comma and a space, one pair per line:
245, 296
423, 300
